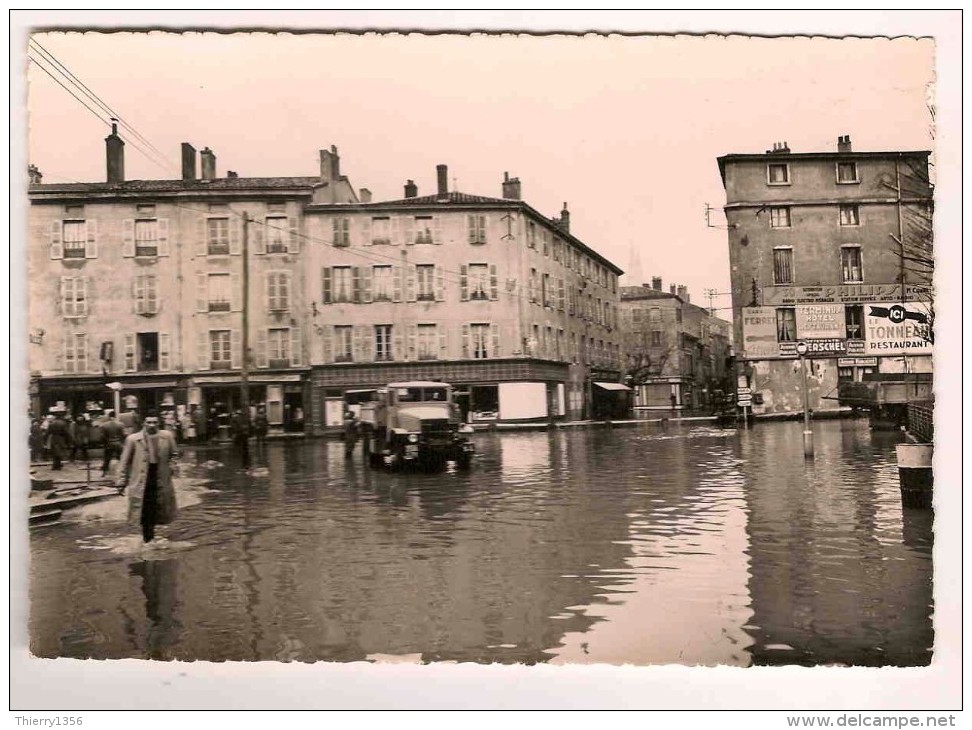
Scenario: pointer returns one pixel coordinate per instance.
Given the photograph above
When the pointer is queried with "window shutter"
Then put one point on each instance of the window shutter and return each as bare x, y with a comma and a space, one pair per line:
67, 307
439, 284
293, 243
81, 353
262, 360
336, 232
235, 226
295, 347
164, 358
398, 346
57, 245
410, 284
91, 247
493, 284
236, 349
494, 329
128, 238
202, 242
471, 226
410, 353
326, 285
285, 290
443, 342
560, 294
138, 302
268, 283
359, 339
356, 284
397, 284
203, 351
366, 231
464, 283
258, 235
366, 284
129, 353
409, 231
437, 230
236, 293
465, 341
202, 293
397, 233
68, 350
163, 224
83, 307
327, 344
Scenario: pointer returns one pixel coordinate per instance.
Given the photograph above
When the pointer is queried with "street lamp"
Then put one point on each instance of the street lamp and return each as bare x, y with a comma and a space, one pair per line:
801, 350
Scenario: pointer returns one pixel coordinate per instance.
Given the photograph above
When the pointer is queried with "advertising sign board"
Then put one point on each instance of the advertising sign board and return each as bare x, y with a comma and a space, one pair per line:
776, 296
897, 329
820, 321
759, 332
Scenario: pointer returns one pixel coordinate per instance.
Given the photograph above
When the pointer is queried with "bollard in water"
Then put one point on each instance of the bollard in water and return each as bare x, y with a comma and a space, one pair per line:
808, 444
915, 474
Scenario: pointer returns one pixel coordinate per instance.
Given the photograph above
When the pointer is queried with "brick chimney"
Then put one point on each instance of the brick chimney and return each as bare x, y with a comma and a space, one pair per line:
442, 173
683, 293
844, 143
188, 161
34, 175
656, 283
511, 187
115, 152
330, 165
565, 219
208, 159
364, 195
779, 148
231, 173
671, 289
411, 189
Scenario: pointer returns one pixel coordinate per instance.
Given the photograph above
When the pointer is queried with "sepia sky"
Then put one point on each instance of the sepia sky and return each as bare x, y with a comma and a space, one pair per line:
626, 130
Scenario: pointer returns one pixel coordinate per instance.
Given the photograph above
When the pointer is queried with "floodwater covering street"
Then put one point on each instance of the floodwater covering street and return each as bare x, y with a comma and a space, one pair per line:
647, 544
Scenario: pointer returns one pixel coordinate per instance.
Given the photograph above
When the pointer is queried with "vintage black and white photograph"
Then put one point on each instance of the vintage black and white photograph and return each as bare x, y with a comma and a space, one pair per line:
408, 348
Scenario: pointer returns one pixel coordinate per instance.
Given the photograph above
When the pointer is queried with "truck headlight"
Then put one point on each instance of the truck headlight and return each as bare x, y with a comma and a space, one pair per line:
413, 438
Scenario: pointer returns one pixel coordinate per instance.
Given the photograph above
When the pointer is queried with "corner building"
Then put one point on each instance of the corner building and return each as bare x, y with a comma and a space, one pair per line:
815, 249
484, 293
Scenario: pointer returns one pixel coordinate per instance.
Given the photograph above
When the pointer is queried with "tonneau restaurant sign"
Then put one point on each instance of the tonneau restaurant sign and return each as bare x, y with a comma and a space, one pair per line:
898, 329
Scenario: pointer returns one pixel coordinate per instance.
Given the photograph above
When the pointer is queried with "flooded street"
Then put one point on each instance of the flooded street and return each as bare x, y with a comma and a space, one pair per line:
646, 545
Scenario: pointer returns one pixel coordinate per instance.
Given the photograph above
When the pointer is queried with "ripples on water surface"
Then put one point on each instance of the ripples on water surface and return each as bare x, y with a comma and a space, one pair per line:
644, 545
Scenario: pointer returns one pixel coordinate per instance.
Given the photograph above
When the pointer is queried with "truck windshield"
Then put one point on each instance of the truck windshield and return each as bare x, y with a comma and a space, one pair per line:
421, 395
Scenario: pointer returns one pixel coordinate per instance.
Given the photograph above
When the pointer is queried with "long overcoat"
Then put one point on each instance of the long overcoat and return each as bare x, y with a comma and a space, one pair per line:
133, 471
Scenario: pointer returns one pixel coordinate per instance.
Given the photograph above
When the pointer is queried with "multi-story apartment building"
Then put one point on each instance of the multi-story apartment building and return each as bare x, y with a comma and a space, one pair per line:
141, 283
148, 283
673, 352
821, 247
484, 293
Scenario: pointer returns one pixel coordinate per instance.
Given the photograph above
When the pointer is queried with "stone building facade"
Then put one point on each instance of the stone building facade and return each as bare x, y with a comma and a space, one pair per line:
673, 352
820, 246
142, 283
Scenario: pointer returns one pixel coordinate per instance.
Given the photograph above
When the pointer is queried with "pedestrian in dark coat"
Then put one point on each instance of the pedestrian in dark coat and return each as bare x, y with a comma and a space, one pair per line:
59, 440
146, 475
261, 427
240, 429
82, 438
114, 436
36, 440
350, 433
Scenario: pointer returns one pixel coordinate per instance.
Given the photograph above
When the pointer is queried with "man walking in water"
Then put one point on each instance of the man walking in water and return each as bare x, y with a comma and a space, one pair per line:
145, 473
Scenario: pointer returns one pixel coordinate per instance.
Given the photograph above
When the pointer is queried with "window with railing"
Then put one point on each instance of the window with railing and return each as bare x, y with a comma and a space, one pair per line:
425, 282
74, 237
479, 281
220, 292
426, 342
479, 341
381, 283
218, 240
147, 238
277, 233
278, 347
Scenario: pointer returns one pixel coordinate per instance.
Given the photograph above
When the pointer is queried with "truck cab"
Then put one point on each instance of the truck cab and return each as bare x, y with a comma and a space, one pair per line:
417, 422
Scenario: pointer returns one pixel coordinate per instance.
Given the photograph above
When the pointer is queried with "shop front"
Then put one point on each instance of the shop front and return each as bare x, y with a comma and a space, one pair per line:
217, 397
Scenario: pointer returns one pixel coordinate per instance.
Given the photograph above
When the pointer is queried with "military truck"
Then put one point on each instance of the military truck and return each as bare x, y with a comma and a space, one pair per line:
416, 422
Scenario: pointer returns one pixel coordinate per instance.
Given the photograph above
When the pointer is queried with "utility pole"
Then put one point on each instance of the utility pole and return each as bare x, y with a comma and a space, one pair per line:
245, 374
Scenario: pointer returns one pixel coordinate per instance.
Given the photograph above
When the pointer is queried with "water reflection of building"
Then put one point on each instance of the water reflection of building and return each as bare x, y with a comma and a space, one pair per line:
832, 580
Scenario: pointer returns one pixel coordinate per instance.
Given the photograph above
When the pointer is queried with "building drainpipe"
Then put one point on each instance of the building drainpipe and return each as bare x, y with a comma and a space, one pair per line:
901, 247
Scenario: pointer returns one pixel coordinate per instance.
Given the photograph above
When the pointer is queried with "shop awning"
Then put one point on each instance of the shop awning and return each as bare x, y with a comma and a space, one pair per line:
150, 385
612, 386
